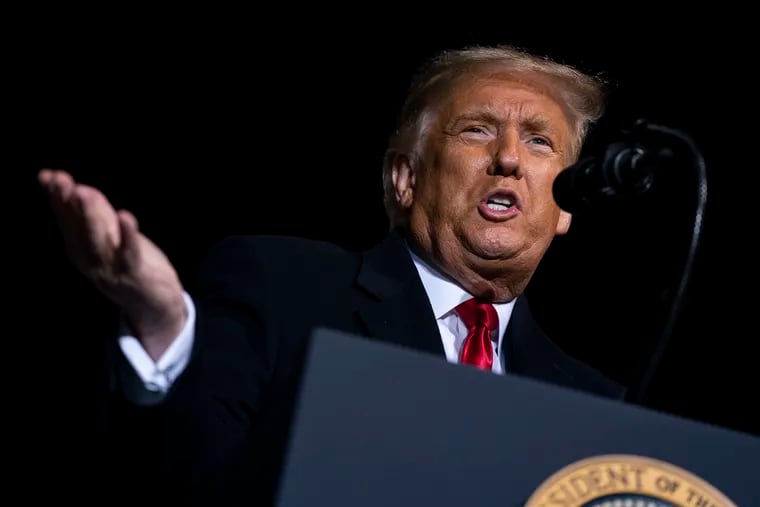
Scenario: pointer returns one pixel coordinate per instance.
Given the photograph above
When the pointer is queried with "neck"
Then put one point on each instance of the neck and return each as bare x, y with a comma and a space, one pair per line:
498, 281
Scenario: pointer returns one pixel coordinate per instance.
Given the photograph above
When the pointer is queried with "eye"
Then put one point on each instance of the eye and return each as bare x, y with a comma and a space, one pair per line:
541, 144
477, 133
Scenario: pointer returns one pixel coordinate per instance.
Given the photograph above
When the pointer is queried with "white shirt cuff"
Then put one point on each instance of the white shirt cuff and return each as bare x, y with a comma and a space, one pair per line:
158, 376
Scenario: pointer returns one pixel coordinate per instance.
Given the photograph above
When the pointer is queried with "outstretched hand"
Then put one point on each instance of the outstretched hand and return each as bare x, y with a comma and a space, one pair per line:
107, 247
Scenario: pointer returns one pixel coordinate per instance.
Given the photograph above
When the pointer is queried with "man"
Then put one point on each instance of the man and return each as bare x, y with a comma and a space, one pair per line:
203, 384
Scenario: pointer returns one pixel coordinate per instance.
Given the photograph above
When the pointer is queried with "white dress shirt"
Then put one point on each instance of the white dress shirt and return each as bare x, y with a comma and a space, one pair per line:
159, 375
444, 296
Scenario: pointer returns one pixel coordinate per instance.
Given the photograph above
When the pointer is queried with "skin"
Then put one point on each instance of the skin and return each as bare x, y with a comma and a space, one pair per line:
493, 133
107, 246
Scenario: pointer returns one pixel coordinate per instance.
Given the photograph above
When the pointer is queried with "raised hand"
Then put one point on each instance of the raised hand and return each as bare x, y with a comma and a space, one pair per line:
107, 247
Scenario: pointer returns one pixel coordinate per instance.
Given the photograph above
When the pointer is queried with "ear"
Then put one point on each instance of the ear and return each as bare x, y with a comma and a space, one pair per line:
563, 223
404, 178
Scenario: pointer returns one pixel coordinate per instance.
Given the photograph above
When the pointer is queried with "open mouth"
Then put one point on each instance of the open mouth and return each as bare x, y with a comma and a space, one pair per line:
499, 205
500, 202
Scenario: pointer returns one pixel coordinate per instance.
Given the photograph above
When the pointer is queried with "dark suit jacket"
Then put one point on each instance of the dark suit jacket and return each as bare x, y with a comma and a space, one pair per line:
220, 433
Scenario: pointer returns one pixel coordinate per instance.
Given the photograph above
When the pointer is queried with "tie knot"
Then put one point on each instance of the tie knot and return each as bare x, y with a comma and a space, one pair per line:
478, 313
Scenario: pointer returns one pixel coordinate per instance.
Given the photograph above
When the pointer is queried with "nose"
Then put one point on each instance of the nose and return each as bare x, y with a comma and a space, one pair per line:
506, 160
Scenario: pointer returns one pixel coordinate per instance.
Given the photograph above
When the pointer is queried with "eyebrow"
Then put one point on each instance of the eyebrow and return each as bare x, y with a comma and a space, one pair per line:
483, 113
533, 122
536, 123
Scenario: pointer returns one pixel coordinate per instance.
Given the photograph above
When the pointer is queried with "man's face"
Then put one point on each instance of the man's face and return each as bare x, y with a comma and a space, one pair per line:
482, 188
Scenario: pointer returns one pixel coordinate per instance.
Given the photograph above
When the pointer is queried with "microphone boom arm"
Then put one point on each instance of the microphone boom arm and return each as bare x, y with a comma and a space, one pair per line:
664, 136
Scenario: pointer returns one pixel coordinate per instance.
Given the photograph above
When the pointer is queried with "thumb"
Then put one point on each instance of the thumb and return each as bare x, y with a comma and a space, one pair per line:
129, 232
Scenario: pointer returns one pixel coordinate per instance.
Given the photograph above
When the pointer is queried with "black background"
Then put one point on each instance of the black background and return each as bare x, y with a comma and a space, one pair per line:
206, 126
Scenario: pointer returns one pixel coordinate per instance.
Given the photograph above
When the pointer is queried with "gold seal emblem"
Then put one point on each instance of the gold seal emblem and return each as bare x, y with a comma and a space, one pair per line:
619, 480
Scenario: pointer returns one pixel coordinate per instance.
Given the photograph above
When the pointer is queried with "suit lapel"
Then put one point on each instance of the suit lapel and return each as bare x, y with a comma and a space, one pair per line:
529, 351
392, 306
392, 303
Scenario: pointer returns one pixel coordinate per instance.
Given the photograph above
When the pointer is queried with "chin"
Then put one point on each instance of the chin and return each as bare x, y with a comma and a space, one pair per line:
493, 250
493, 244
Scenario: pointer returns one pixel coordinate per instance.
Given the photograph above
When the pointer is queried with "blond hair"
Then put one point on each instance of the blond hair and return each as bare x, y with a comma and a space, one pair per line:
581, 94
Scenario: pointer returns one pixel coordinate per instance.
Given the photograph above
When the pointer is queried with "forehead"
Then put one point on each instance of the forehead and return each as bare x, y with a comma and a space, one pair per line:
506, 97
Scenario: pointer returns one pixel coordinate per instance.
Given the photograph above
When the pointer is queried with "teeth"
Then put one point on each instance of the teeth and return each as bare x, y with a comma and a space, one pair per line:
497, 207
500, 200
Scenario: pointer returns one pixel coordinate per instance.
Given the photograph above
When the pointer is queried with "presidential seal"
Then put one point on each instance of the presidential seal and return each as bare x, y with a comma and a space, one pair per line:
619, 480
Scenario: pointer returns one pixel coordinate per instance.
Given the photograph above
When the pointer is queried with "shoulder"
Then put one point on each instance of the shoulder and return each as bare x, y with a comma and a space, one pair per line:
291, 246
590, 379
277, 255
536, 352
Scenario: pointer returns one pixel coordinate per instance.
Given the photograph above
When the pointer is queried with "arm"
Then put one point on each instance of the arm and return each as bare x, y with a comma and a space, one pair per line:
157, 376
194, 438
107, 247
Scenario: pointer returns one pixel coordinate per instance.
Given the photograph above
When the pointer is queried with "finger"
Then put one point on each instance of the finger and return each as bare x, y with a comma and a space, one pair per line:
129, 229
44, 176
62, 186
98, 219
59, 185
89, 224
47, 177
90, 229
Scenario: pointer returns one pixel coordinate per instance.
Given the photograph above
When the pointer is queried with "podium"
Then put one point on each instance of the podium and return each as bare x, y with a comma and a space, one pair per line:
379, 425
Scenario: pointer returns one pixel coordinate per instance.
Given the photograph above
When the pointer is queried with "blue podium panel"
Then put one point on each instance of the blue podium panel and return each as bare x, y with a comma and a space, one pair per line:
378, 425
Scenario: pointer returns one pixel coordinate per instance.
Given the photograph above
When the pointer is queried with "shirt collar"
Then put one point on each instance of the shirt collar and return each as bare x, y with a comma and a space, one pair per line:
445, 295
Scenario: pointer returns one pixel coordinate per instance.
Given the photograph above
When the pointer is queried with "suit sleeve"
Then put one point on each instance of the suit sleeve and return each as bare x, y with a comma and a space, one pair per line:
199, 442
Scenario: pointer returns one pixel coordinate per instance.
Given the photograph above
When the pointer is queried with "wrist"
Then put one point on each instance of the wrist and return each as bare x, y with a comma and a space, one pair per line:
158, 328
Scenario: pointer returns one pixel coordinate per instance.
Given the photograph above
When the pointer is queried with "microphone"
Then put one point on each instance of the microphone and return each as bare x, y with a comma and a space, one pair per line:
624, 170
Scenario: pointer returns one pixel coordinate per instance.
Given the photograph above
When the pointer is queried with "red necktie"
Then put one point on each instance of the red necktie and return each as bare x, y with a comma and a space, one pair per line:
481, 319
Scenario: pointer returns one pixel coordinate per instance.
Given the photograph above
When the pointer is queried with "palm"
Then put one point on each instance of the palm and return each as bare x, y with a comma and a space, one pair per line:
107, 247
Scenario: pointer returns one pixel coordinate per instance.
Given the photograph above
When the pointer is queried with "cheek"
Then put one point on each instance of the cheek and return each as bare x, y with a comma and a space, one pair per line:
447, 185
542, 196
454, 176
465, 173
542, 181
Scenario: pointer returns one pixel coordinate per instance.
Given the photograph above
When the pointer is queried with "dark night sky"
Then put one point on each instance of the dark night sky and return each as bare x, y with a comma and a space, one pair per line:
204, 131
